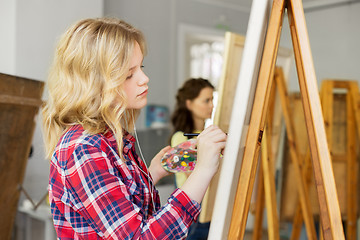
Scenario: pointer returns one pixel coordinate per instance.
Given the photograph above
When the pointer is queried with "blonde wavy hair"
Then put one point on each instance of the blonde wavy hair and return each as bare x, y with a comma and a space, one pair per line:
85, 81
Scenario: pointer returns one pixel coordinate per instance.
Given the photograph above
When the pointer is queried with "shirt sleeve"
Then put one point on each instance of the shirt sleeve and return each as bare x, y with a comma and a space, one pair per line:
104, 197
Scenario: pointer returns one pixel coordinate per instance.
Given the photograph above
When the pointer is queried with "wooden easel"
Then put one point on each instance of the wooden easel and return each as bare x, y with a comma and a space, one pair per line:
268, 171
266, 189
353, 122
266, 179
342, 146
267, 167
329, 206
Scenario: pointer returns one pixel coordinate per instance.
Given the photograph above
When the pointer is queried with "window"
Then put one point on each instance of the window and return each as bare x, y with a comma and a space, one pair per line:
206, 60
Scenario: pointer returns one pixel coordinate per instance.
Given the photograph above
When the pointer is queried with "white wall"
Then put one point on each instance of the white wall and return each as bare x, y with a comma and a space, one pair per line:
29, 31
7, 36
39, 24
334, 35
153, 18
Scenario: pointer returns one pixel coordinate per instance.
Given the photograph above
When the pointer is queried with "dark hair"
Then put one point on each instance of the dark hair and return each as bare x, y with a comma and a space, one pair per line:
181, 118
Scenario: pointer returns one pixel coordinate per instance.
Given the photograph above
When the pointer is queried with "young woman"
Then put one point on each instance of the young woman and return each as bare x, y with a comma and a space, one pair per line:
194, 104
98, 186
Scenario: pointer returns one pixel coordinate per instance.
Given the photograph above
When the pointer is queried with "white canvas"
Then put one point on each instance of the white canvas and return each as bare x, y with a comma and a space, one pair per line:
240, 119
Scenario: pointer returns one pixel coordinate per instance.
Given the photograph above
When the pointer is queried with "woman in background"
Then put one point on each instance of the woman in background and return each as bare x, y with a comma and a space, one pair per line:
194, 105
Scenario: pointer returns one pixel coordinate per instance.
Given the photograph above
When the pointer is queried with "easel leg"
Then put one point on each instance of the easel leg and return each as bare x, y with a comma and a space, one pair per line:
298, 217
351, 173
355, 99
257, 122
327, 90
295, 153
324, 178
327, 102
270, 191
259, 207
266, 180
353, 182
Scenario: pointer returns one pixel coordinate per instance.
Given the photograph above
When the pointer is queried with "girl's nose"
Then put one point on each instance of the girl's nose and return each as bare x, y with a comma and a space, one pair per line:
144, 79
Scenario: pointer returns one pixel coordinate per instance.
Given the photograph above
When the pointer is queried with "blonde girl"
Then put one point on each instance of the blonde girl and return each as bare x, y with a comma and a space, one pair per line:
98, 186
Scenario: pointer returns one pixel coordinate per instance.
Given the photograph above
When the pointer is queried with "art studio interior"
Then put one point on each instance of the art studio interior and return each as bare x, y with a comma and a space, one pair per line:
286, 92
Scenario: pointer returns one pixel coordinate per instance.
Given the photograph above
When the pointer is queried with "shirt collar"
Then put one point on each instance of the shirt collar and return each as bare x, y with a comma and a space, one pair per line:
128, 141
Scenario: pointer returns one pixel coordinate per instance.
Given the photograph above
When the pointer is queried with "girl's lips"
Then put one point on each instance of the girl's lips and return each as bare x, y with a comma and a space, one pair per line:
143, 93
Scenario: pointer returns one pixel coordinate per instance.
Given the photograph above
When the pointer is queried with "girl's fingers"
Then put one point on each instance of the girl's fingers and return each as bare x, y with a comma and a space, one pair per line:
214, 135
163, 151
160, 154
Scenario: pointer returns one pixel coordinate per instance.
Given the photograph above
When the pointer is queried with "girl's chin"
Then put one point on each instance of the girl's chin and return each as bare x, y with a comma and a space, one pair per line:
137, 106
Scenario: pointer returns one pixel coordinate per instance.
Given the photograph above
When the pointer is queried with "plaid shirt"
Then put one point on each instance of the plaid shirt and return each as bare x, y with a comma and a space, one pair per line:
96, 195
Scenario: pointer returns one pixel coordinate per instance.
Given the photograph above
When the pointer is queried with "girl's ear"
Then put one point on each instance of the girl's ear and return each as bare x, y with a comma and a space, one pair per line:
188, 104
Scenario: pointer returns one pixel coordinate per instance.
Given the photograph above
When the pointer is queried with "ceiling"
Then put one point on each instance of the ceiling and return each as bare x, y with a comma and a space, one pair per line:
309, 5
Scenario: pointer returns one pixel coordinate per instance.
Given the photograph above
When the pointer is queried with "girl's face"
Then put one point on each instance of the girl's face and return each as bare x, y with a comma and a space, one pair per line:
201, 107
135, 85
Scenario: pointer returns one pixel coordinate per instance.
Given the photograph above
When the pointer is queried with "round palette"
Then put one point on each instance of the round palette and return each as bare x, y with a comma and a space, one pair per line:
181, 158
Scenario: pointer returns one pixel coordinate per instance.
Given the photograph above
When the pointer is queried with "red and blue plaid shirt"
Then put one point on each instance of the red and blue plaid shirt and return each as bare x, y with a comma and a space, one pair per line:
96, 195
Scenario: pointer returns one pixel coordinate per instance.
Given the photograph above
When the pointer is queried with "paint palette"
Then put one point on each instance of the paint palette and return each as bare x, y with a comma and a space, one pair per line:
181, 158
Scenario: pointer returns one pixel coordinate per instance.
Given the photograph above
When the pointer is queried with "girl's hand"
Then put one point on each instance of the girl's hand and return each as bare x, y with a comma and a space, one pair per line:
210, 143
156, 170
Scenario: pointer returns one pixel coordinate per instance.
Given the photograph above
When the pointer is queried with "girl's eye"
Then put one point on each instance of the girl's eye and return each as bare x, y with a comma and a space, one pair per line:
142, 66
128, 77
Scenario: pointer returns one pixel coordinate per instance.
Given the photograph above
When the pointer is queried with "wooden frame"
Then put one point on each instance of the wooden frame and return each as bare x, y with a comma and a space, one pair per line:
339, 100
299, 173
256, 125
352, 122
229, 172
329, 206
331, 222
234, 45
